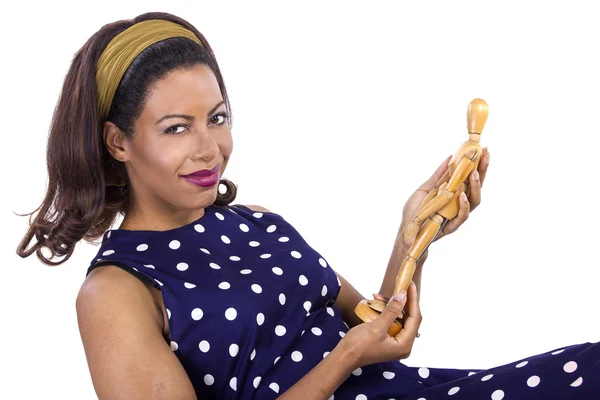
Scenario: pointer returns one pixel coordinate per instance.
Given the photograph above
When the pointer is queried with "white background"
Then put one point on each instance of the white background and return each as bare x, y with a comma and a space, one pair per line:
341, 110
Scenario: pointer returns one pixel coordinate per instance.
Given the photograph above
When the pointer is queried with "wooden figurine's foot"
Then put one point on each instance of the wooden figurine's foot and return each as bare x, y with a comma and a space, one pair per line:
367, 314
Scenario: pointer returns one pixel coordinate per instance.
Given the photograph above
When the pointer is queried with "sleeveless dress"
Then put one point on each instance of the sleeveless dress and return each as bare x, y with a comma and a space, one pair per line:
251, 311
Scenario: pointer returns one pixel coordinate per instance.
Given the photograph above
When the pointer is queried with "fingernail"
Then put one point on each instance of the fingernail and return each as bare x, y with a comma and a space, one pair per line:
476, 173
399, 297
463, 196
488, 159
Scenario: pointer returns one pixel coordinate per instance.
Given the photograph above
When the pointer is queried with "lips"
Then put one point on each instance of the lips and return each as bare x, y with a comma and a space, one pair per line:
203, 173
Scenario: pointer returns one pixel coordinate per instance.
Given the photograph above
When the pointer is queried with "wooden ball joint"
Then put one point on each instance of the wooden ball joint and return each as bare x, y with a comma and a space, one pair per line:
440, 206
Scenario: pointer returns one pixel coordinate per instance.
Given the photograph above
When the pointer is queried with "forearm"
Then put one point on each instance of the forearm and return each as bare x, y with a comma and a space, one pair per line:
323, 379
396, 259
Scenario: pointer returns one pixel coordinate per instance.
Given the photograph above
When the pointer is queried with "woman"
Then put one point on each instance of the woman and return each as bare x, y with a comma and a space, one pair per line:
198, 298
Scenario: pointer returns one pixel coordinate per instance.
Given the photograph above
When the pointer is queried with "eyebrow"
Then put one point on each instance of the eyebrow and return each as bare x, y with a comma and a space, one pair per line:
188, 117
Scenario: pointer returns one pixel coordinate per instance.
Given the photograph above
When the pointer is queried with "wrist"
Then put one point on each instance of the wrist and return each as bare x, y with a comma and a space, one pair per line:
346, 355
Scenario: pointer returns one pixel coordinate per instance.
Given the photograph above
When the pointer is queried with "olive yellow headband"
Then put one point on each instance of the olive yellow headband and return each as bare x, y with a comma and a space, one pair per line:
124, 48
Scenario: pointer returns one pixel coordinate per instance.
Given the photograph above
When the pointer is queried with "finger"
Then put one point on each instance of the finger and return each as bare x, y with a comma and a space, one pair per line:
483, 165
413, 318
380, 297
474, 190
461, 217
391, 311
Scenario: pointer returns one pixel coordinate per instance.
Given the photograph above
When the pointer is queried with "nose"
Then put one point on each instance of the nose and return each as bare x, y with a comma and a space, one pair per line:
205, 146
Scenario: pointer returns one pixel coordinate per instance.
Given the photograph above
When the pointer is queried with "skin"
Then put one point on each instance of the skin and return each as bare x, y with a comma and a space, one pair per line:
128, 348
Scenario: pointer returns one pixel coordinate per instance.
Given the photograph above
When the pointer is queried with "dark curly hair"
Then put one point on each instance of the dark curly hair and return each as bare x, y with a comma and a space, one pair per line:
87, 187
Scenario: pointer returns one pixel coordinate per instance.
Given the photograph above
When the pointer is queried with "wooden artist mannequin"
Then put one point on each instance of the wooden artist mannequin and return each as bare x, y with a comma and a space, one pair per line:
440, 206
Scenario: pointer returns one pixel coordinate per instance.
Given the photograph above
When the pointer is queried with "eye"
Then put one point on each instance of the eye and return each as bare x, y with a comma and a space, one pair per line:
225, 116
172, 130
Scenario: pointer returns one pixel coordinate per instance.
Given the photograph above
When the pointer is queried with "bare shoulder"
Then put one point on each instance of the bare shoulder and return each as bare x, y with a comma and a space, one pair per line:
258, 208
121, 330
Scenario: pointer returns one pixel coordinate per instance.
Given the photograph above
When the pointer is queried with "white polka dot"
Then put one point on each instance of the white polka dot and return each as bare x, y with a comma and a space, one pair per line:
209, 379
533, 381
326, 354
296, 254
323, 263
302, 333
256, 382
257, 214
280, 330
303, 281
224, 285
254, 243
199, 228
471, 373
521, 364
244, 228
331, 397
357, 371
307, 305
277, 359
108, 234
231, 313
149, 266
265, 256
159, 282
569, 367
189, 285
256, 288
274, 387
421, 398
142, 247
260, 318
454, 390
253, 354
498, 395
204, 346
284, 239
342, 334
214, 265
282, 298
487, 377
324, 290
182, 266
135, 269
297, 356
330, 311
339, 283
174, 346
234, 258
271, 228
108, 252
225, 239
316, 331
557, 352
168, 313
220, 216
577, 382
204, 250
233, 383
197, 314
245, 271
174, 244
424, 372
388, 375
277, 271
360, 397
234, 350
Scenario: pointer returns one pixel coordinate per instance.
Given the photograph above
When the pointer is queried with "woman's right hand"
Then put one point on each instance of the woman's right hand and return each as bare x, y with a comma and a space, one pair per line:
369, 343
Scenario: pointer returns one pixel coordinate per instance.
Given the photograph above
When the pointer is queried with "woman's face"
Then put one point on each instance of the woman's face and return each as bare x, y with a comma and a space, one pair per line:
182, 129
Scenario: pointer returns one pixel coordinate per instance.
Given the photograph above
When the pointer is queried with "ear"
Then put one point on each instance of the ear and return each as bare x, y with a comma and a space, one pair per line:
115, 141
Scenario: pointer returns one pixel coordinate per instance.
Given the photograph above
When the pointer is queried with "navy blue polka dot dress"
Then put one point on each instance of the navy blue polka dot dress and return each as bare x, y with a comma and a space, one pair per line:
250, 309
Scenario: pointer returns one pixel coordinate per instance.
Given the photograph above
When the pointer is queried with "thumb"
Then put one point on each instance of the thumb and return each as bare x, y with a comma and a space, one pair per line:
392, 310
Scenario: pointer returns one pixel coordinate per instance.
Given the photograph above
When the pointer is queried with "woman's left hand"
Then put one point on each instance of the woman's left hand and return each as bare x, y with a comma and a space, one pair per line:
476, 178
